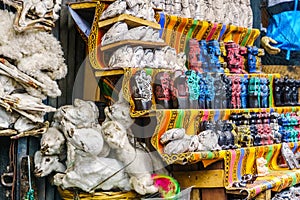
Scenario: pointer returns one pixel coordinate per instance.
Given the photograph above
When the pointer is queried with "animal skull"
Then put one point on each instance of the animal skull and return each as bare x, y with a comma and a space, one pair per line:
44, 165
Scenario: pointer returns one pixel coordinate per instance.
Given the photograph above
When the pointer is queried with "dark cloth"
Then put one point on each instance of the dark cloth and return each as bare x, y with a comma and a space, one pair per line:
280, 59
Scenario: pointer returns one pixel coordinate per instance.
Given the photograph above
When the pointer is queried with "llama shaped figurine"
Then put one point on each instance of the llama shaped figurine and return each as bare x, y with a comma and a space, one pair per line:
262, 169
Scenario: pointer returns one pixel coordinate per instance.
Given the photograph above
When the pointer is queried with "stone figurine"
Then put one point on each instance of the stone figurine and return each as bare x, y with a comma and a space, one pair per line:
289, 156
141, 90
262, 169
194, 51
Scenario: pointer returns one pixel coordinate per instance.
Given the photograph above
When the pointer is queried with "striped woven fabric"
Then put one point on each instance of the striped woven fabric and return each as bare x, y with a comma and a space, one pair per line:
242, 161
177, 31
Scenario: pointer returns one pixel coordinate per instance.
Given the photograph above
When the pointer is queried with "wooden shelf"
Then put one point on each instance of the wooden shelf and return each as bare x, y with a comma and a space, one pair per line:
144, 44
83, 5
130, 20
109, 72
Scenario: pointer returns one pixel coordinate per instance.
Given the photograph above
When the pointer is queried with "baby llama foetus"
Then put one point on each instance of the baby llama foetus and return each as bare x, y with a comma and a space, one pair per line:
138, 163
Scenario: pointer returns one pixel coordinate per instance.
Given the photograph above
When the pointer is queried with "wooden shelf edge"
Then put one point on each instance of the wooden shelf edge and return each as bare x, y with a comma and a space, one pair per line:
130, 20
238, 110
145, 44
82, 5
109, 72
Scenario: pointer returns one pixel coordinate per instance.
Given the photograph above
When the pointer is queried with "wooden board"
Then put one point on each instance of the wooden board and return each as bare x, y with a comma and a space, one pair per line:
82, 5
213, 194
111, 72
144, 44
200, 179
131, 21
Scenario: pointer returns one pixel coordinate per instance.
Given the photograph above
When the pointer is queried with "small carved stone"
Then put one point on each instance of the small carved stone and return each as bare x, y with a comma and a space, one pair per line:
262, 169
289, 156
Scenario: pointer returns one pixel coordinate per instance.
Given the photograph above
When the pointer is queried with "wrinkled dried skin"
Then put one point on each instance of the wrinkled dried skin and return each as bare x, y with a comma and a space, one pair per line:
8, 132
37, 15
39, 130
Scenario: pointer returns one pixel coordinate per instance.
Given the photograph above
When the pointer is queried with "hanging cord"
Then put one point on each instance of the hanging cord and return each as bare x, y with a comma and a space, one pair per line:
30, 193
12, 162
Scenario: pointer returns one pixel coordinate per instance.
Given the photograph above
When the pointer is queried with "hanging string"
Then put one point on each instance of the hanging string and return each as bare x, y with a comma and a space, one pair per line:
30, 193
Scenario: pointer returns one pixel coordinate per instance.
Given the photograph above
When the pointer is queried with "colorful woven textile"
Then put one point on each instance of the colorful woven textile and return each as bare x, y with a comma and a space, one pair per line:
177, 31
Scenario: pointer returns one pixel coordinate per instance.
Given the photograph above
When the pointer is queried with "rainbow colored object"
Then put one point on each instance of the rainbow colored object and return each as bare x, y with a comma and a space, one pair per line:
167, 185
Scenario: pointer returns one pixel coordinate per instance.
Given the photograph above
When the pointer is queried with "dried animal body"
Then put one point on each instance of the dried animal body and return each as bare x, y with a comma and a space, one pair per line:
176, 141
30, 64
87, 166
137, 8
137, 162
35, 58
30, 14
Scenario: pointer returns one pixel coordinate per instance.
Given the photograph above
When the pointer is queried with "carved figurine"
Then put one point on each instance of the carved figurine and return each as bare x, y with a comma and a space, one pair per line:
244, 92
152, 35
204, 57
231, 136
245, 138
203, 91
264, 92
180, 63
214, 52
141, 90
162, 90
220, 95
194, 51
287, 91
194, 88
234, 58
236, 92
227, 81
294, 92
254, 92
170, 56
278, 91
222, 139
172, 134
209, 92
175, 141
182, 91
262, 169
275, 127
252, 52
289, 156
